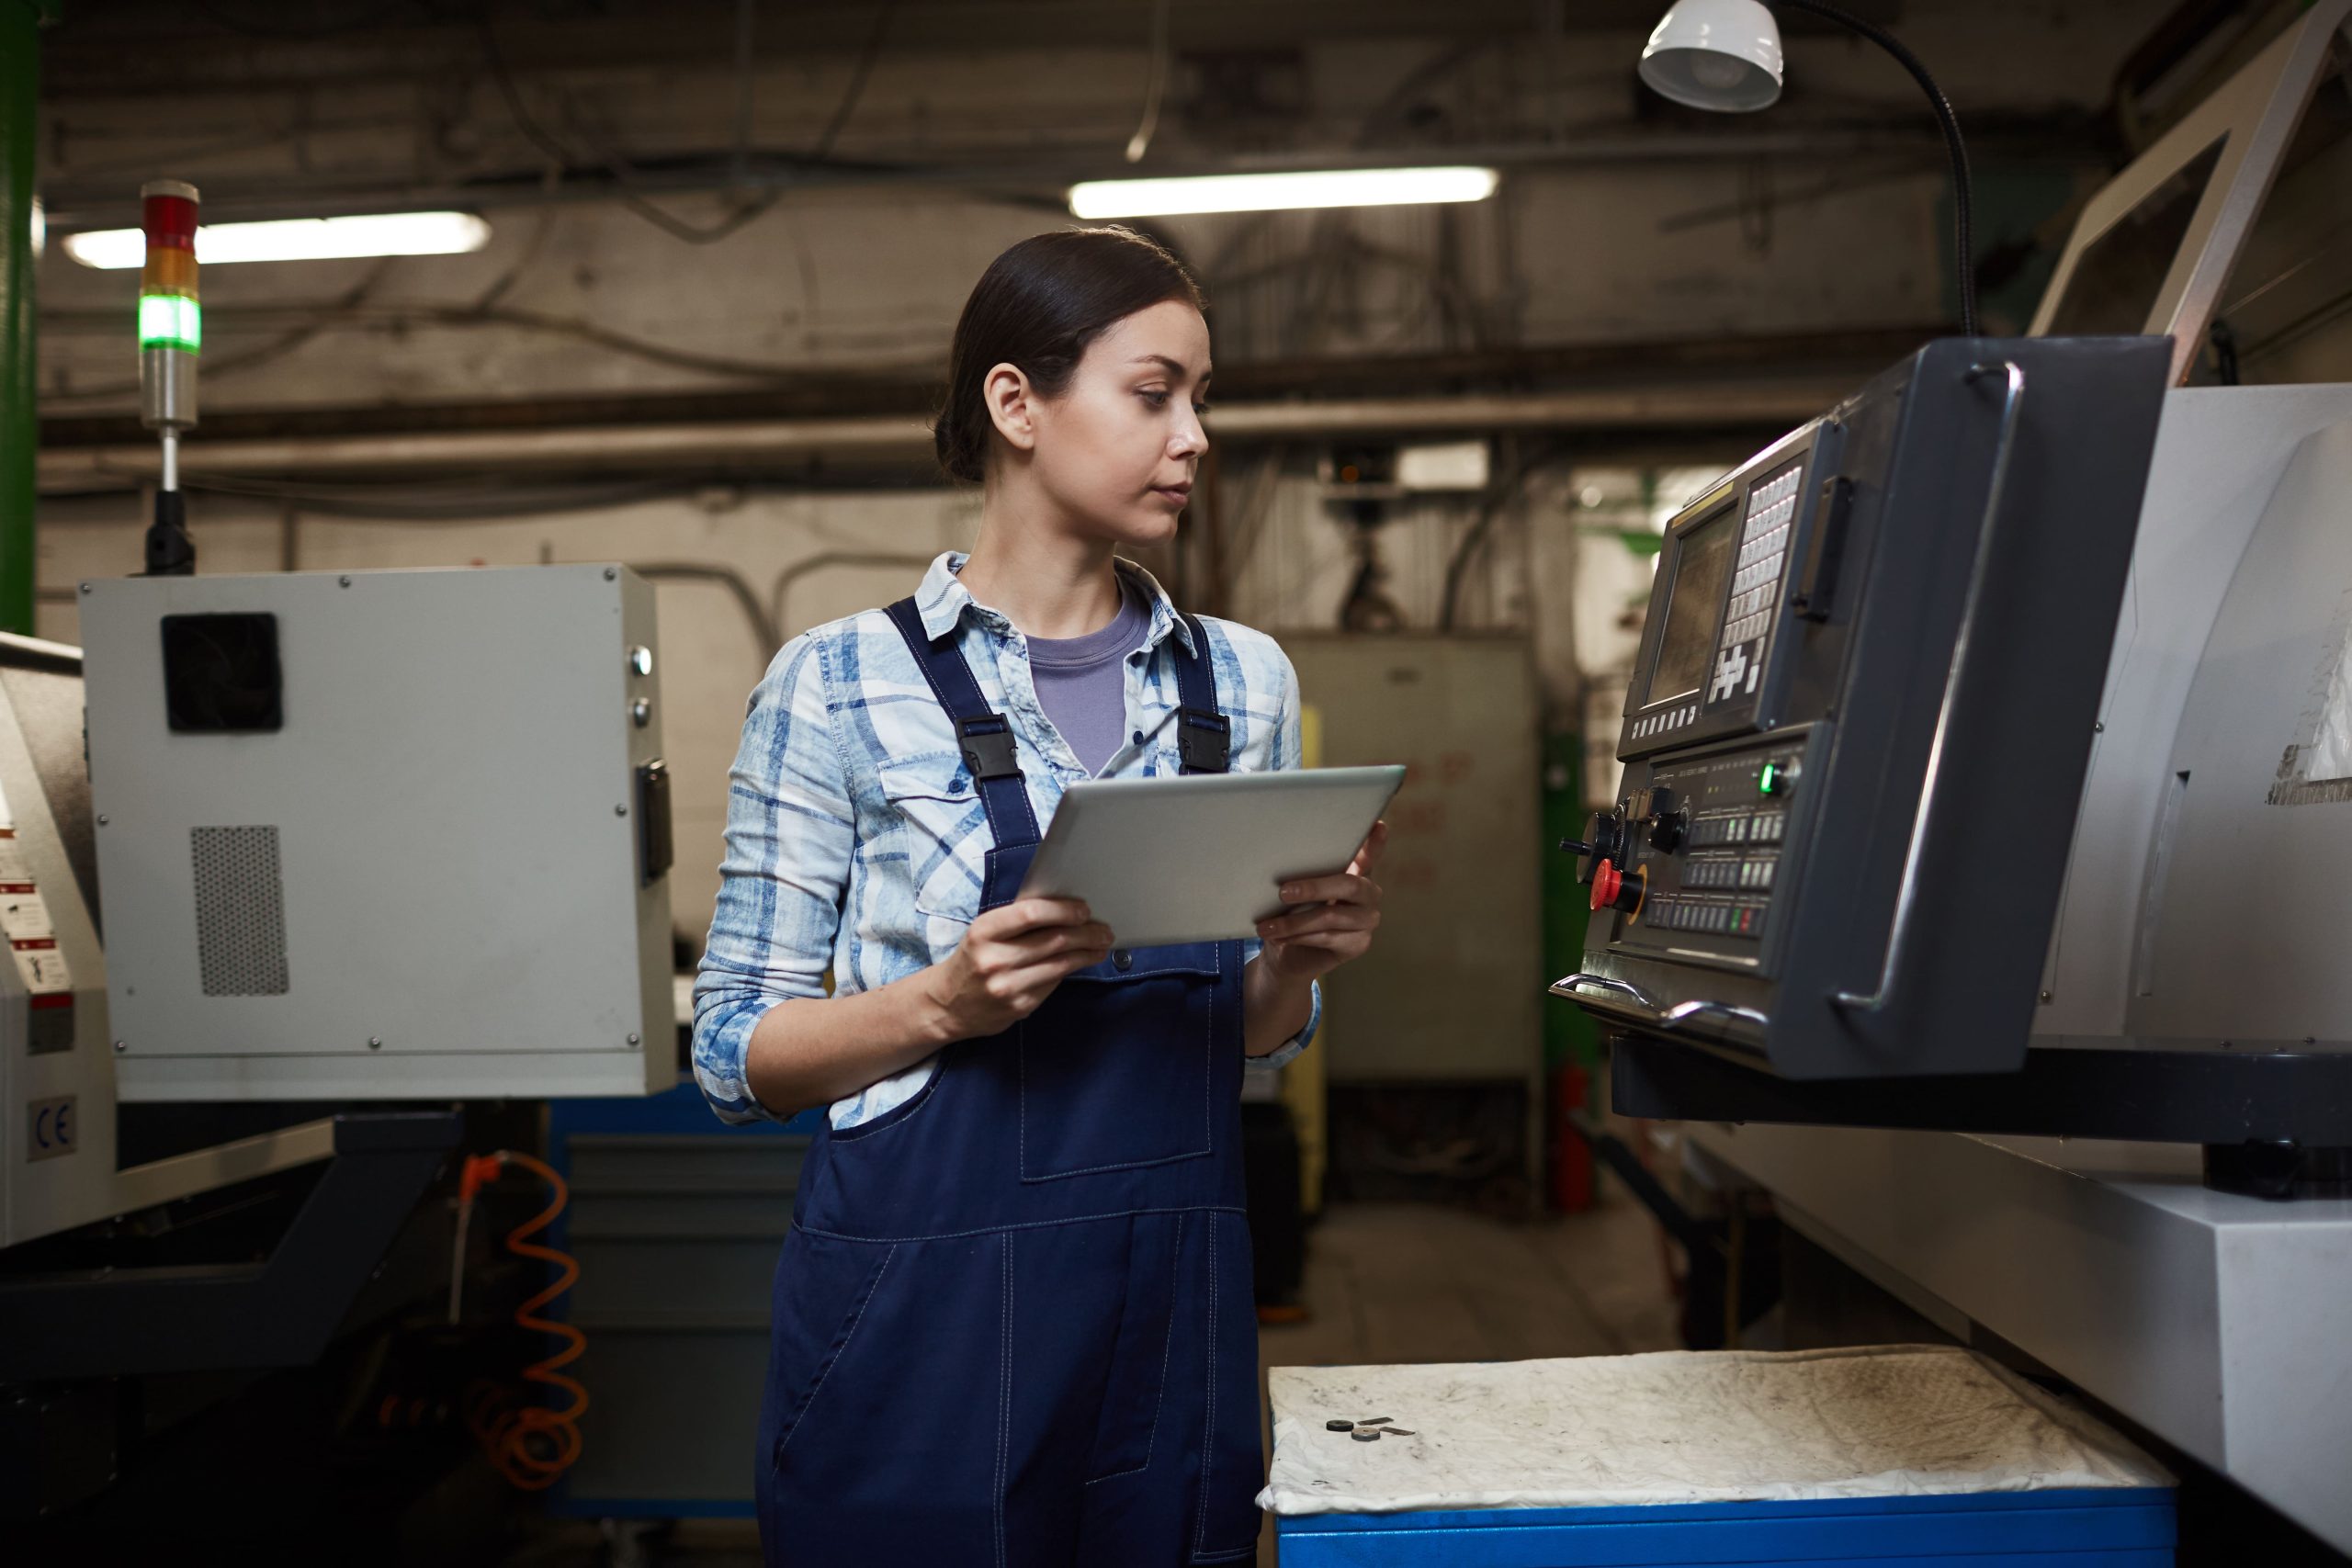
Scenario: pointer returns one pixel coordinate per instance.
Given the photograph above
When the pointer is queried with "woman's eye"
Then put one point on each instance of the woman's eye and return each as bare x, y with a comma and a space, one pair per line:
1201, 410
1156, 399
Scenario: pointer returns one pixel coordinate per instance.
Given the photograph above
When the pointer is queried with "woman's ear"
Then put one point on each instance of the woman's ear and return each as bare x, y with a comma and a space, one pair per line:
1011, 406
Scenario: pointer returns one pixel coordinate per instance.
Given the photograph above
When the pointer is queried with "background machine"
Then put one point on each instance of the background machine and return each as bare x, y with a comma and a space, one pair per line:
360, 846
1984, 828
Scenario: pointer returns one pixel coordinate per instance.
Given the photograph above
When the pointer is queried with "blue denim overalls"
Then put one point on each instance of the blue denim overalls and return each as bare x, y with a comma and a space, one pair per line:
1014, 1318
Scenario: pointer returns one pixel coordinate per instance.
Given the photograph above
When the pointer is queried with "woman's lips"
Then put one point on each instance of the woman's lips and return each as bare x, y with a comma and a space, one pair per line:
1180, 494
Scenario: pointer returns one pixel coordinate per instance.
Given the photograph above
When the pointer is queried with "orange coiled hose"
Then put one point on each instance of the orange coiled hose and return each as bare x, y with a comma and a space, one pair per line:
533, 1444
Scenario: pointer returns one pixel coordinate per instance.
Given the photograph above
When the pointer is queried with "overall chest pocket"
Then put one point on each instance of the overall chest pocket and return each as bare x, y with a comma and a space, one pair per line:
1117, 1067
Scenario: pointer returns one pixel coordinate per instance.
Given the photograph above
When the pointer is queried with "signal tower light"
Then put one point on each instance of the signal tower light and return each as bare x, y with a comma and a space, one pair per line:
171, 333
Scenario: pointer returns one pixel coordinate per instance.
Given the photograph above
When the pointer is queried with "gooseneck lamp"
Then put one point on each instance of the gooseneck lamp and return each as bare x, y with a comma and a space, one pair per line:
1725, 55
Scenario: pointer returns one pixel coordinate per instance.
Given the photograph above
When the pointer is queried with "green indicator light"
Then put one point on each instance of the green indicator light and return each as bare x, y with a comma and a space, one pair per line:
1768, 778
170, 321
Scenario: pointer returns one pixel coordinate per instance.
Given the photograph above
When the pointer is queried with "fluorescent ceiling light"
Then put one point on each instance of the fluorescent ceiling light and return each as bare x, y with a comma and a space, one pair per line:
1278, 192
296, 239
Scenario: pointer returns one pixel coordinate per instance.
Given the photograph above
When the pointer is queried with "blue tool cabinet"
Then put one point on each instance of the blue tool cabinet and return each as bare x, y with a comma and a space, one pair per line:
2120, 1528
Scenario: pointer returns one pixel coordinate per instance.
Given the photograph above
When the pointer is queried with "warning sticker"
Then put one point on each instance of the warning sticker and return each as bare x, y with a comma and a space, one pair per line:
24, 917
42, 968
12, 859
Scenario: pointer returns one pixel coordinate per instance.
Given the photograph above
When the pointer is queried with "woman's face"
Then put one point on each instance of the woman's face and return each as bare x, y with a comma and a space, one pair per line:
1118, 447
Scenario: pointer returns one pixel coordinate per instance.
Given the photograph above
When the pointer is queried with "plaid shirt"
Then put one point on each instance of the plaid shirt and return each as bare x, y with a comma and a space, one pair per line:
854, 837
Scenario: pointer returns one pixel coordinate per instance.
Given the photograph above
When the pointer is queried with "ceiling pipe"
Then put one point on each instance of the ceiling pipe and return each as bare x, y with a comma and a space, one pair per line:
744, 443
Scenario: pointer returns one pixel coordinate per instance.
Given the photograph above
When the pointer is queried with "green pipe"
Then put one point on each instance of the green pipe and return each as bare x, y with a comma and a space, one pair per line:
20, 22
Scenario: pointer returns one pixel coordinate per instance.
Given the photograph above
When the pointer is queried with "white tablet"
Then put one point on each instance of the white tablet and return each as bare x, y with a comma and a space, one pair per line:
1199, 858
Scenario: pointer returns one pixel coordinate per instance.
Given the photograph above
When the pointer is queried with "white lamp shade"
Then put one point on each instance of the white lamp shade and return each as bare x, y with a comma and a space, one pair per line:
1715, 54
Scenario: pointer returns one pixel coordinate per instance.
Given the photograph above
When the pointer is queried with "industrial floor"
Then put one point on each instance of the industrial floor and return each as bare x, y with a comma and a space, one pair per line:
1415, 1282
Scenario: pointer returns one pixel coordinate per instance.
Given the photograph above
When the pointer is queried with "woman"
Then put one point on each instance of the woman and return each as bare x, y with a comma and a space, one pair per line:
1012, 1320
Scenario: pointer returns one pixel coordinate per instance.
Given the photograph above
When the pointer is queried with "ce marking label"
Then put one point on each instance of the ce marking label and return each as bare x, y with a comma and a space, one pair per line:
55, 1127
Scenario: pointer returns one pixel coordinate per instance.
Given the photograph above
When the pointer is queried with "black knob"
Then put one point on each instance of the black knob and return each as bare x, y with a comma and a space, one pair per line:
1604, 840
1666, 832
1659, 800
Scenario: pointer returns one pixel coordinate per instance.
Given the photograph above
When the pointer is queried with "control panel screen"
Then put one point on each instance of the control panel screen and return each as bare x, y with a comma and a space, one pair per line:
1701, 559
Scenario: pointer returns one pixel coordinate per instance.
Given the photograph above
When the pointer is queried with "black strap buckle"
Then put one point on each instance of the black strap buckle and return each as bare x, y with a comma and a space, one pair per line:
988, 747
1203, 740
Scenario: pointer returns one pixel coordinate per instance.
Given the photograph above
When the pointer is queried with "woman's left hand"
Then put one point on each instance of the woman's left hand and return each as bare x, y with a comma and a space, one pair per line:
1307, 944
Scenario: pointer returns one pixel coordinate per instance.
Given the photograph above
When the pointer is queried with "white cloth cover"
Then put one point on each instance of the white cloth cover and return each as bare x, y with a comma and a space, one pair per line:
1681, 1427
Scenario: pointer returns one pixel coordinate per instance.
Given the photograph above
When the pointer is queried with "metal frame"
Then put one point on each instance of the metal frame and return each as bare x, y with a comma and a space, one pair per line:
2257, 110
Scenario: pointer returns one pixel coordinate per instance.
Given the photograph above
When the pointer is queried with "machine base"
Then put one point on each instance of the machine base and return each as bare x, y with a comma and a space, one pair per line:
2275, 1118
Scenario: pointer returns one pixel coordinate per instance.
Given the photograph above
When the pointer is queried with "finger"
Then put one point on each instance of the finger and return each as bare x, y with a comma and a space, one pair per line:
1375, 844
1029, 914
1043, 946
1342, 944
1328, 917
1346, 887
1046, 975
1046, 942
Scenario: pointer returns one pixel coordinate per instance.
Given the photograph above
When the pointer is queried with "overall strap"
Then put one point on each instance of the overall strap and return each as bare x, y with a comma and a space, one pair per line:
984, 735
1203, 735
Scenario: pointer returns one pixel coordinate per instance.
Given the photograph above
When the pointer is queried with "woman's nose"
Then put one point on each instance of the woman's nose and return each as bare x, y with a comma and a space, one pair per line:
1189, 439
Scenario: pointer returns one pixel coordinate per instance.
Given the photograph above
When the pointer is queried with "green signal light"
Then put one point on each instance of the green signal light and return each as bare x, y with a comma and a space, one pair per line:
170, 321
1769, 778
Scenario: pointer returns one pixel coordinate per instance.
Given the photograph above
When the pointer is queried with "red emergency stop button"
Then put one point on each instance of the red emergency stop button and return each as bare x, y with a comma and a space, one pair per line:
1611, 890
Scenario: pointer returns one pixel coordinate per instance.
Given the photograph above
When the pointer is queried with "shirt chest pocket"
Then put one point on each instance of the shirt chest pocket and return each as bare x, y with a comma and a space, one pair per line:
937, 814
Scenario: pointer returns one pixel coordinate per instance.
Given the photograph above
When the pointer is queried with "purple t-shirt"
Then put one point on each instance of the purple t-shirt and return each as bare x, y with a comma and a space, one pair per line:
1082, 681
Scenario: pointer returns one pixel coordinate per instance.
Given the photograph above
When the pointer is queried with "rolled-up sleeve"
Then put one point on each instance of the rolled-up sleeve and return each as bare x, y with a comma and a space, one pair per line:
1288, 755
790, 832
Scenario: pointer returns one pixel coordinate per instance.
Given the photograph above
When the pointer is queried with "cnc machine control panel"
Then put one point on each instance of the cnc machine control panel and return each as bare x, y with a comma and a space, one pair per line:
1861, 713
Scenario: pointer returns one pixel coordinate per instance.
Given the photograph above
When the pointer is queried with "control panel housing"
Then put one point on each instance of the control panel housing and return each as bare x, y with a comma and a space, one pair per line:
1861, 714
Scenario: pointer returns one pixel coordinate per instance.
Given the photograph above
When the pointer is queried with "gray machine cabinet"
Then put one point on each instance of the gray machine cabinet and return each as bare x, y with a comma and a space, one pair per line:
1453, 987
441, 872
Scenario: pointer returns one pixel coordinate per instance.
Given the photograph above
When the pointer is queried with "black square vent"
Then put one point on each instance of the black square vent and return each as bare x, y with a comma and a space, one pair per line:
221, 673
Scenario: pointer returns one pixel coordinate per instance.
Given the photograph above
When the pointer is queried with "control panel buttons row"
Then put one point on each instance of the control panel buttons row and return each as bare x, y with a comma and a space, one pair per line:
1722, 920
1759, 828
1658, 723
1730, 872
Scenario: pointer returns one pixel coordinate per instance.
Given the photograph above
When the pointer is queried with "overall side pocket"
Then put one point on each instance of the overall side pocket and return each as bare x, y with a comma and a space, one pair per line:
823, 1289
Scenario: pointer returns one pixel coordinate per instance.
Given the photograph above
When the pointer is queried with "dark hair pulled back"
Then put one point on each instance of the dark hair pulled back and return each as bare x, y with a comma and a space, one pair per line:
1037, 308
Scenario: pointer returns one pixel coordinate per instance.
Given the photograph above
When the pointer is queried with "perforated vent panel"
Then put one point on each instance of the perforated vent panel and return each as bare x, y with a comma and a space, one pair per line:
240, 911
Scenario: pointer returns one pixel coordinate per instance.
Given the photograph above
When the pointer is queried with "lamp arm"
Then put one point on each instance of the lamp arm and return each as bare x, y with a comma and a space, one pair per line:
1962, 240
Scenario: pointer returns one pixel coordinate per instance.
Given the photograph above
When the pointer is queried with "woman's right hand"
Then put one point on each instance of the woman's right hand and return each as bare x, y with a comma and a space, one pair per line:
1010, 961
